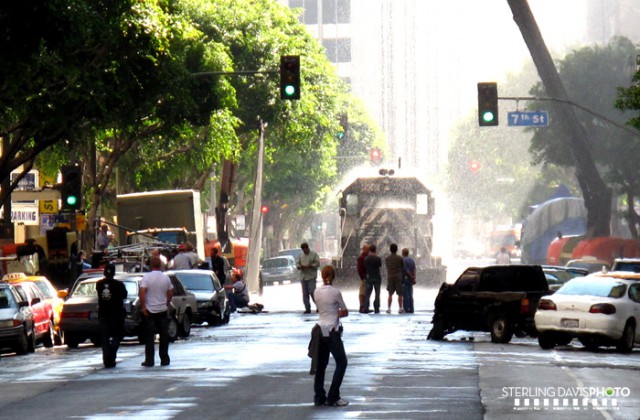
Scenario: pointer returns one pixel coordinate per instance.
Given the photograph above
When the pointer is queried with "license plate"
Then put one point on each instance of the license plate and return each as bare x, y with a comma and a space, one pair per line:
569, 323
93, 315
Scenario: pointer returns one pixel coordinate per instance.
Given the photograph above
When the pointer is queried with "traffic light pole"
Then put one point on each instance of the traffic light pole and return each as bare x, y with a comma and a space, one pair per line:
577, 105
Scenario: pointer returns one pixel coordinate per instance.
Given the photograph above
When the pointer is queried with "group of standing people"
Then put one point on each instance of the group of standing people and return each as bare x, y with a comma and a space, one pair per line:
155, 296
401, 277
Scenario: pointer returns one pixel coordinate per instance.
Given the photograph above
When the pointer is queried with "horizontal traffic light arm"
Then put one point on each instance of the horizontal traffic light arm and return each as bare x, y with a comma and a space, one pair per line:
235, 73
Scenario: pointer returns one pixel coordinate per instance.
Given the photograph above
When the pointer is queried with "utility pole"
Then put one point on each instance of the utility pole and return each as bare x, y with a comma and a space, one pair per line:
255, 242
597, 196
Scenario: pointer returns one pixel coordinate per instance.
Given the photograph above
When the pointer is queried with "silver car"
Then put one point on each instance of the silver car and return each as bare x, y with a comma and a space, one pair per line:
279, 270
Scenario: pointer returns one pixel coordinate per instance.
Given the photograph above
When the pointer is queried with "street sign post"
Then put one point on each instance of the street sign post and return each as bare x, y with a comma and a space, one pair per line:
528, 118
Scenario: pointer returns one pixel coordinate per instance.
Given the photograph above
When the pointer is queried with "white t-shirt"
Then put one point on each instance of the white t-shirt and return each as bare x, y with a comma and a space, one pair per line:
503, 258
157, 284
329, 301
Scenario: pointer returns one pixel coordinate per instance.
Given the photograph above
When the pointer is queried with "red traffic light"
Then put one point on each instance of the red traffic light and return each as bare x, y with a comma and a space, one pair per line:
474, 166
375, 155
264, 209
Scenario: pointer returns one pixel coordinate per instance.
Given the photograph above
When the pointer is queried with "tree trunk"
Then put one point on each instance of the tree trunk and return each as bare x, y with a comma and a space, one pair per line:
596, 194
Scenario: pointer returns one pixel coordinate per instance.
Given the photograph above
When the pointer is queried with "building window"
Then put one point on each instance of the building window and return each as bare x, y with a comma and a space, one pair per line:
338, 50
310, 10
336, 11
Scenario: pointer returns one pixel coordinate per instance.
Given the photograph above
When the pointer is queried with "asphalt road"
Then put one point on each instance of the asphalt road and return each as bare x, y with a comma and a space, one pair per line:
256, 367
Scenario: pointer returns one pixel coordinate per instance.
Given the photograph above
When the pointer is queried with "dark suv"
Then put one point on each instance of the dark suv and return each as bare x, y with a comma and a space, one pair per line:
501, 299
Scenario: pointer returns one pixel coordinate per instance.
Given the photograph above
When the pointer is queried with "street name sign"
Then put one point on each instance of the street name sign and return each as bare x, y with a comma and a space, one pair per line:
528, 118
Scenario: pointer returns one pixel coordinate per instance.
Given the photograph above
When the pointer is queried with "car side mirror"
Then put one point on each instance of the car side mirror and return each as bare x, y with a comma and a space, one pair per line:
35, 301
63, 293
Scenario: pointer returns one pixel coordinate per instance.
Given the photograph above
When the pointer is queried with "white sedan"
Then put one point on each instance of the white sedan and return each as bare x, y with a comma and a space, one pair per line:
598, 311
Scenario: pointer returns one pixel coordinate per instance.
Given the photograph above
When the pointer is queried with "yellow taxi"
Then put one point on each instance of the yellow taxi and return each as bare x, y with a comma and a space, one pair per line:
50, 293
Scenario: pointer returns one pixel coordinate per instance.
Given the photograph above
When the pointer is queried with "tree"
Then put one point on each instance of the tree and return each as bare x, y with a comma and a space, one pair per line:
72, 65
592, 76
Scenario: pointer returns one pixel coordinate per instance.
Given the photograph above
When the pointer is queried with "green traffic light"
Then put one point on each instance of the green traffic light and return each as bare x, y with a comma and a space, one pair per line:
290, 90
488, 116
72, 200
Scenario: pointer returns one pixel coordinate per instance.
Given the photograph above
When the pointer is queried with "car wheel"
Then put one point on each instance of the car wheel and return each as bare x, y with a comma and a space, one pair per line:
173, 329
547, 341
185, 326
31, 341
71, 340
48, 338
501, 331
22, 345
589, 342
625, 345
437, 331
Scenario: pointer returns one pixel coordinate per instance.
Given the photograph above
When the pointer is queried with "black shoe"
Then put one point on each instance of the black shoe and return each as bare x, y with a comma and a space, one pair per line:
164, 363
308, 311
145, 364
109, 365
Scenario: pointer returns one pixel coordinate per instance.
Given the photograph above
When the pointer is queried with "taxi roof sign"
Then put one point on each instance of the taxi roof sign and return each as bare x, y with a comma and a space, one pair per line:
14, 276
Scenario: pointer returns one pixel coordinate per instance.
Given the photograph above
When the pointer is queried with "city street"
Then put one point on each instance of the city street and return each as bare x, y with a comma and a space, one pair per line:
257, 367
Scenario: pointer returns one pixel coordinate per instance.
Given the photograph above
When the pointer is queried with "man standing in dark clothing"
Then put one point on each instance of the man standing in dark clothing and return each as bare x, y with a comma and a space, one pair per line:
373, 278
111, 314
362, 291
217, 265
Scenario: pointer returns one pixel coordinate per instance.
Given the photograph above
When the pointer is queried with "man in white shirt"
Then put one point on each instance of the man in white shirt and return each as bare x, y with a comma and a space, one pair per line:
331, 308
503, 257
156, 292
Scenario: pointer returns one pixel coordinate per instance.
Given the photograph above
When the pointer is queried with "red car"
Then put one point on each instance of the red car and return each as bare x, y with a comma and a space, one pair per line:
43, 315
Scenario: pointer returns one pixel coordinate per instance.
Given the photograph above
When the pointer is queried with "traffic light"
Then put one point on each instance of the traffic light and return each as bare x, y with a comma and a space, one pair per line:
474, 166
487, 104
290, 77
264, 209
71, 187
375, 155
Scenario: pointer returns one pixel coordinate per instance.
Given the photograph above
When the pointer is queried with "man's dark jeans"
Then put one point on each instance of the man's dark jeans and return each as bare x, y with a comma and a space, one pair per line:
371, 286
156, 322
111, 333
330, 345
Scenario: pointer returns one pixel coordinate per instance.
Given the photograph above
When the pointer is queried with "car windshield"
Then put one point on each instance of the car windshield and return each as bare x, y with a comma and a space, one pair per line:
276, 262
196, 281
6, 299
594, 287
132, 287
45, 289
627, 266
86, 289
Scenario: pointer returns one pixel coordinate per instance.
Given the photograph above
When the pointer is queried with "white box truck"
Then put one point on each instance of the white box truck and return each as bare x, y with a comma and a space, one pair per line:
171, 216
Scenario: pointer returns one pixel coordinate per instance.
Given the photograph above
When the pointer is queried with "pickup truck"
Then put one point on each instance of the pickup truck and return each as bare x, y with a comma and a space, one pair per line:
500, 299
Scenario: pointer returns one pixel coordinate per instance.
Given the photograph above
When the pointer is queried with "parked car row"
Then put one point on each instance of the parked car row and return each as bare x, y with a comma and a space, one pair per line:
29, 313
599, 309
32, 311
